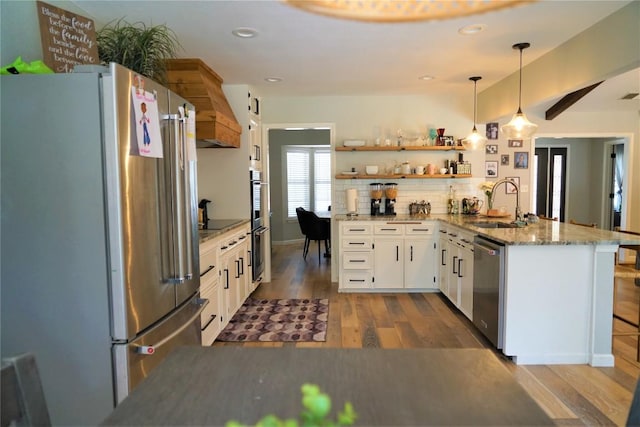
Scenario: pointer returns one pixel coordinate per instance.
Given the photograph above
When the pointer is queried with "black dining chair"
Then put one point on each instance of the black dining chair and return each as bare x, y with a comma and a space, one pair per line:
313, 228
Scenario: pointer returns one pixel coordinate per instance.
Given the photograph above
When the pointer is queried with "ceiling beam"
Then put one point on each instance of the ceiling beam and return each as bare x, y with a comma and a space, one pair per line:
568, 100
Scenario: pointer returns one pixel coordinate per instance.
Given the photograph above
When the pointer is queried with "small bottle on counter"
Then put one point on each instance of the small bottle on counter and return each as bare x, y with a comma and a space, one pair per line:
450, 200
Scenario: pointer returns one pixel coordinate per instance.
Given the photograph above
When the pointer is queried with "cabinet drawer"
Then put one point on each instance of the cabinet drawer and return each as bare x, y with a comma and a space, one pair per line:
357, 260
208, 263
357, 229
210, 318
356, 243
388, 229
357, 279
419, 229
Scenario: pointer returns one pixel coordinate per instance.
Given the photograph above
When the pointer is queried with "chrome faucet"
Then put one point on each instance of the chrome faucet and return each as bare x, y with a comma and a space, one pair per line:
519, 216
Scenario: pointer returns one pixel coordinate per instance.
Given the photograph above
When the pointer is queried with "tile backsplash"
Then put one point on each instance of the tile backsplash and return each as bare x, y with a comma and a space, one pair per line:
435, 191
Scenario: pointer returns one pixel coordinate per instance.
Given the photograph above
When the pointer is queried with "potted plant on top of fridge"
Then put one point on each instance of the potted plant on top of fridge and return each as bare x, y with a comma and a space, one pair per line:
138, 47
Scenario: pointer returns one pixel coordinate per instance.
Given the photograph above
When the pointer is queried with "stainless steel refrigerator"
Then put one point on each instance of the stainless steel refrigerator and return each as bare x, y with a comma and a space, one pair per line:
99, 243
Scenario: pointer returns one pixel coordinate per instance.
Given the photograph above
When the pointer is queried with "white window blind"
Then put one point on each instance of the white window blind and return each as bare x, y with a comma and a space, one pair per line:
308, 178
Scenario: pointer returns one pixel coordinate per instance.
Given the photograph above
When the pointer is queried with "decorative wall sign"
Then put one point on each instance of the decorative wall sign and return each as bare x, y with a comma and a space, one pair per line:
67, 39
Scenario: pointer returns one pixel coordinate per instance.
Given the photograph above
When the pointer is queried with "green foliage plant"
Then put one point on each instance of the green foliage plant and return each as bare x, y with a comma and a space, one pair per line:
138, 47
317, 406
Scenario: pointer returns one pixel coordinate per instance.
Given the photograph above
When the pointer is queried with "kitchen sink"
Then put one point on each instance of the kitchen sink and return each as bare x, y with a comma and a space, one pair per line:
493, 224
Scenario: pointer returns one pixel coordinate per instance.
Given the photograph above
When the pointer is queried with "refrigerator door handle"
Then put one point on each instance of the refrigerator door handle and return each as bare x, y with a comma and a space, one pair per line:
149, 350
177, 217
185, 203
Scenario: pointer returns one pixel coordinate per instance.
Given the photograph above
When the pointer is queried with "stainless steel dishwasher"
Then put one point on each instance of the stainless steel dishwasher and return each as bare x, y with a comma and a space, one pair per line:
488, 288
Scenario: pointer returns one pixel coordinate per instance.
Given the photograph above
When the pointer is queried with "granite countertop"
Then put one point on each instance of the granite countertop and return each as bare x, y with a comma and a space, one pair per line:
400, 387
544, 232
218, 227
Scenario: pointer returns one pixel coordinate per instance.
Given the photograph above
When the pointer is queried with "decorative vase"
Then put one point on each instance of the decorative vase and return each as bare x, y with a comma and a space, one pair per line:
489, 203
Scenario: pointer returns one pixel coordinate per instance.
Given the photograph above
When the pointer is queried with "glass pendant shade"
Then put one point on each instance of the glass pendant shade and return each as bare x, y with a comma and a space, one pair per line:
519, 127
475, 140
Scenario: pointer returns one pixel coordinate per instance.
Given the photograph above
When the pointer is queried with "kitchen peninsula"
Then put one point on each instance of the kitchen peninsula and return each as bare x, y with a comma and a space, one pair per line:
558, 283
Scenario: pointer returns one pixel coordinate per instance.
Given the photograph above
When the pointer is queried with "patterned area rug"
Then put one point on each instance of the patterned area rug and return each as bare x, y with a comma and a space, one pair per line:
278, 320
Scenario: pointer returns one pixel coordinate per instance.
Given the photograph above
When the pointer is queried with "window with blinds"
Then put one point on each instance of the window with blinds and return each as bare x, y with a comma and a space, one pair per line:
308, 178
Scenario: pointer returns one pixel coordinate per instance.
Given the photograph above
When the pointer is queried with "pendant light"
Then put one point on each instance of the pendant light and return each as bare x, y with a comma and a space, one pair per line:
475, 140
519, 127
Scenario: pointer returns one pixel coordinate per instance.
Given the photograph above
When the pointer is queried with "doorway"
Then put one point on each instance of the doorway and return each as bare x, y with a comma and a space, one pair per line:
589, 175
550, 182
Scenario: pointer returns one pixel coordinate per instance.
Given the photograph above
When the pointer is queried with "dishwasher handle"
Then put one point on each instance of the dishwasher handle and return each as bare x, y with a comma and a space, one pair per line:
486, 249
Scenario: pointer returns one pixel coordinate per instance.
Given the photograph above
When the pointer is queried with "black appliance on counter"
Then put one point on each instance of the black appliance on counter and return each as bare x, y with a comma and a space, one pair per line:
257, 224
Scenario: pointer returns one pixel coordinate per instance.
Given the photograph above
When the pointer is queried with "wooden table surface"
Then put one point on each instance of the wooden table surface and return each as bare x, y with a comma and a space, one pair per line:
209, 386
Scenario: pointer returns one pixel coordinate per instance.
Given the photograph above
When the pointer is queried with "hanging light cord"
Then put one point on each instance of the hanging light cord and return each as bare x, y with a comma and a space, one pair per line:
520, 86
520, 47
475, 85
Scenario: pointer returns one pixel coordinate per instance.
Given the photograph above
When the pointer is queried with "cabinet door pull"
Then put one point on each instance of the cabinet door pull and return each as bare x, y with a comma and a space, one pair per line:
397, 253
356, 229
226, 282
460, 267
211, 267
237, 268
211, 319
356, 280
443, 257
454, 265
356, 243
411, 254
242, 266
356, 260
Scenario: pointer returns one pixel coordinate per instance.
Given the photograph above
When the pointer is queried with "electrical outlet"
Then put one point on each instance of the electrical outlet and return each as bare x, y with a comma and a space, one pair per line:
524, 188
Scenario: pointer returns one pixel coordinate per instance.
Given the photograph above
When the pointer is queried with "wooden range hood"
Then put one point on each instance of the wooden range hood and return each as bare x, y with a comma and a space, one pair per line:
216, 125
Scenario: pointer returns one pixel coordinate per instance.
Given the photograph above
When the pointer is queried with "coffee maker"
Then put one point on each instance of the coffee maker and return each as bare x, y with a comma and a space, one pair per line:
375, 191
390, 193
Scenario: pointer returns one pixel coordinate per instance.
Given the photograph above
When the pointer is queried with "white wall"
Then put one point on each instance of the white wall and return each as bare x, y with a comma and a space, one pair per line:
362, 117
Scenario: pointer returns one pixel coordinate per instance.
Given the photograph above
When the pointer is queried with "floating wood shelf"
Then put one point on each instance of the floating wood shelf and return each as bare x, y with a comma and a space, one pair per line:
403, 148
392, 176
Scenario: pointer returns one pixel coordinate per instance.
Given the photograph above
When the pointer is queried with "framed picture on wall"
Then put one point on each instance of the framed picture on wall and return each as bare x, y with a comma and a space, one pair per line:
504, 160
492, 130
491, 149
521, 160
517, 143
491, 169
509, 188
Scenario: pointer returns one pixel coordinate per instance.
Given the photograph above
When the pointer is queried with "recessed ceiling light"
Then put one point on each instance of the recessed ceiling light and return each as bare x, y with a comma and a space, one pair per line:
426, 77
245, 32
472, 29
273, 79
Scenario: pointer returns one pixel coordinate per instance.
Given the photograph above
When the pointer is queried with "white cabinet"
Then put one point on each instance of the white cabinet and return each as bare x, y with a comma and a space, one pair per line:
224, 279
356, 255
456, 267
211, 317
387, 255
255, 144
234, 270
419, 265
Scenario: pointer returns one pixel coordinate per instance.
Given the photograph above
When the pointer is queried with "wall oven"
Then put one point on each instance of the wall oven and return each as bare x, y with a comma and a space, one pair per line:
257, 224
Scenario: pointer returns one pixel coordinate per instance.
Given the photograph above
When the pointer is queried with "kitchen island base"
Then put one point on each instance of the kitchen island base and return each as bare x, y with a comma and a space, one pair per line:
559, 308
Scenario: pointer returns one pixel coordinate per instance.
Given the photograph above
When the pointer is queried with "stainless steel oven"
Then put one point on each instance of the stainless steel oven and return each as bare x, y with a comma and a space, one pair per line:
257, 224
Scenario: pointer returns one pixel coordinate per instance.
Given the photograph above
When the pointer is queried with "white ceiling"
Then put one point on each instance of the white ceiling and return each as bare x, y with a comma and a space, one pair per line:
318, 55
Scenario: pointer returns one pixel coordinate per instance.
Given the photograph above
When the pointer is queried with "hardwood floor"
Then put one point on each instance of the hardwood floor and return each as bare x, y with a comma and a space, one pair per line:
570, 394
